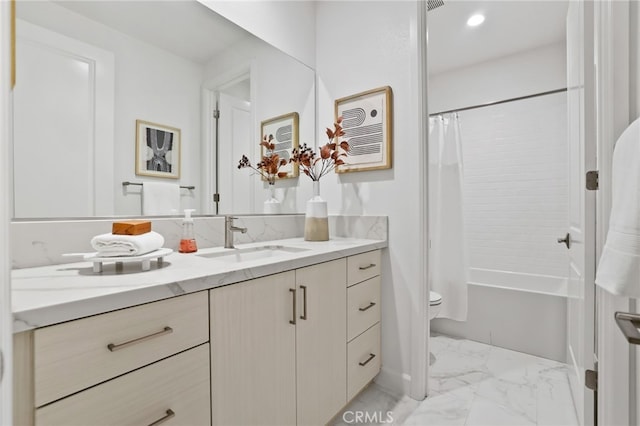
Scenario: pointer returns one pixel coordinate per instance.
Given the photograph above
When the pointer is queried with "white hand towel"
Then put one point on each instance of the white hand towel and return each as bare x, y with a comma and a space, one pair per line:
108, 245
619, 267
160, 198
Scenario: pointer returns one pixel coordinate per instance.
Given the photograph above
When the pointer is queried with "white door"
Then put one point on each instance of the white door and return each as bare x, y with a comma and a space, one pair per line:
582, 157
234, 140
63, 115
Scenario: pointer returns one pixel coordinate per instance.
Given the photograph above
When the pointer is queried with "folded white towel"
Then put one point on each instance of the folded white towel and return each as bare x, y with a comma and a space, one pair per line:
160, 198
619, 267
108, 245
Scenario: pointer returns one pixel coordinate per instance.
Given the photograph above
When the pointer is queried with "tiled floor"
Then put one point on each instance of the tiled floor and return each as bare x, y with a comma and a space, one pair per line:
474, 384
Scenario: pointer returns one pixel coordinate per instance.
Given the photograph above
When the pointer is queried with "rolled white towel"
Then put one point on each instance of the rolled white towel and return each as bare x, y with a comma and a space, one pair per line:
126, 245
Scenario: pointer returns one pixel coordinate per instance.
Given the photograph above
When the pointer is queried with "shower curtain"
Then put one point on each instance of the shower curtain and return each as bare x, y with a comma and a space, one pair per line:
448, 270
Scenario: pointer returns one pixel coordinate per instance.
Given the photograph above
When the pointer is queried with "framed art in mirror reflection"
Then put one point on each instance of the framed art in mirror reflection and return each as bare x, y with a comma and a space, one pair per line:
157, 150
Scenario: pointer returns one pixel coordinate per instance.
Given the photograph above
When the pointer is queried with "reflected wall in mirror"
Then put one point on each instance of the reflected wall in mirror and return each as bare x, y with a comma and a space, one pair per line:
87, 70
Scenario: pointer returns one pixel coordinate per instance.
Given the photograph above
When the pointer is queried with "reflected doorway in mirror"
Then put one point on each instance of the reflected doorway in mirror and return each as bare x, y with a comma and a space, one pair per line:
157, 150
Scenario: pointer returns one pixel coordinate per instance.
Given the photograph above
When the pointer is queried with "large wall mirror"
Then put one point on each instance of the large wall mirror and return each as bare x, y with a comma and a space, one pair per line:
89, 70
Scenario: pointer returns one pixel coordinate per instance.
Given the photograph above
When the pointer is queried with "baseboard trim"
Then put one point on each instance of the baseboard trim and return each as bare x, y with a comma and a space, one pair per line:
393, 382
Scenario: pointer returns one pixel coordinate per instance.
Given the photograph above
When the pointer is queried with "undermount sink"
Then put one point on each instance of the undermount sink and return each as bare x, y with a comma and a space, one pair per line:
252, 253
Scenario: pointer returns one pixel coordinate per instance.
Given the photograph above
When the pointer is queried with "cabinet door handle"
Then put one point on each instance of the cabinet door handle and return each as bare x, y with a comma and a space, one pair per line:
293, 321
369, 306
364, 268
169, 414
304, 302
115, 347
371, 356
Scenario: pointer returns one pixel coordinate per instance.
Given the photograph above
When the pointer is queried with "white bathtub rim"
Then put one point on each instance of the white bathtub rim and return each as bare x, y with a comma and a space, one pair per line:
553, 285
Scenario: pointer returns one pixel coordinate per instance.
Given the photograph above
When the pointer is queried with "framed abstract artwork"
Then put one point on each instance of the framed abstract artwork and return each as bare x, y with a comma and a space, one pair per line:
285, 132
367, 120
157, 150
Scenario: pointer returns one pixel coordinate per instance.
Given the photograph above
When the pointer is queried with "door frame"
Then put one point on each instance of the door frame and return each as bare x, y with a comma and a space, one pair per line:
420, 325
7, 22
209, 144
615, 357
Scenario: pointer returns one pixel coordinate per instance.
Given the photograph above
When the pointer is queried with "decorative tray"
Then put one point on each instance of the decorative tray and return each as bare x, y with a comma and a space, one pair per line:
119, 260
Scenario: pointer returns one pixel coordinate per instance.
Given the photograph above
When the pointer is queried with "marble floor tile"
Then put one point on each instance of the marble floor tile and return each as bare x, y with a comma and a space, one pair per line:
499, 400
474, 384
457, 363
446, 409
376, 406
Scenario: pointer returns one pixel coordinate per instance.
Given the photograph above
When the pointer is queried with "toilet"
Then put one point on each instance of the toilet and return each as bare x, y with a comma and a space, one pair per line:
435, 300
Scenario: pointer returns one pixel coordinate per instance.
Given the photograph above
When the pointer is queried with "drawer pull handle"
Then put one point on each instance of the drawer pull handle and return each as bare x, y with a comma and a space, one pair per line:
293, 321
364, 268
371, 356
170, 414
366, 308
113, 347
304, 304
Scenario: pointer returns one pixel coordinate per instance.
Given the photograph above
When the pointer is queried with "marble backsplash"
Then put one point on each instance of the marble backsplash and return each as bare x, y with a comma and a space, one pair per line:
40, 243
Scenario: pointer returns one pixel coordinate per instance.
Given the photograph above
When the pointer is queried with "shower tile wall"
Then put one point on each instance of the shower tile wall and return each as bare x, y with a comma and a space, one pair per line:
515, 185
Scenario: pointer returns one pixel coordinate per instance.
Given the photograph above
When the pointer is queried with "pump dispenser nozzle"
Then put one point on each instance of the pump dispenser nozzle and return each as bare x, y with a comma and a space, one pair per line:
188, 240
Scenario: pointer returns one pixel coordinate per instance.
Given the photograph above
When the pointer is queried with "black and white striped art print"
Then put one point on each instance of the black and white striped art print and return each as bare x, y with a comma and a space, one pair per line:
157, 150
367, 121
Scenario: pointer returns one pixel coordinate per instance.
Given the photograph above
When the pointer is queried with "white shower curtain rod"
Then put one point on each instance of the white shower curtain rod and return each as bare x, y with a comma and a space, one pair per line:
551, 92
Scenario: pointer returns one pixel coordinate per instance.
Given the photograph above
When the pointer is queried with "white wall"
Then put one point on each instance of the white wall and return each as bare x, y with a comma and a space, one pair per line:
534, 71
371, 51
280, 85
288, 25
150, 84
634, 59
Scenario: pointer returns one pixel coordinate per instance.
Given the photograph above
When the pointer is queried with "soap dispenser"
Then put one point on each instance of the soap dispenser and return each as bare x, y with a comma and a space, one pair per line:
188, 240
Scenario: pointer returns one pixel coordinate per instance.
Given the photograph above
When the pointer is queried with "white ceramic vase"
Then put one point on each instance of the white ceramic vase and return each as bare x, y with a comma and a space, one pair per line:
316, 221
272, 205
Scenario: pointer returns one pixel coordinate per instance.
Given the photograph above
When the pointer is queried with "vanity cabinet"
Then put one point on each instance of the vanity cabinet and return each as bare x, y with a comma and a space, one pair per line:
253, 378
127, 367
295, 347
292, 348
363, 321
278, 348
172, 391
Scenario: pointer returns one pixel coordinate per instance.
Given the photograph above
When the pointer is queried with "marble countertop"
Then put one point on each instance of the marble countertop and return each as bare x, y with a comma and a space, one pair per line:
52, 294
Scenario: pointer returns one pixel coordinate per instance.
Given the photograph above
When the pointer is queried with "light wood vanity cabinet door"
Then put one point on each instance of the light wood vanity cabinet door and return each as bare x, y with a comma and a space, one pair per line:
175, 389
253, 351
78, 354
321, 341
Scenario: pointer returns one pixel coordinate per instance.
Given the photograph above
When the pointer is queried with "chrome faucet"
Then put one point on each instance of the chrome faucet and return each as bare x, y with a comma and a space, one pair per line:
229, 229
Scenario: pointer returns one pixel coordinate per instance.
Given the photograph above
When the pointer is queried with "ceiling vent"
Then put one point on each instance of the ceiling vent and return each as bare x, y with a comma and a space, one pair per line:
432, 4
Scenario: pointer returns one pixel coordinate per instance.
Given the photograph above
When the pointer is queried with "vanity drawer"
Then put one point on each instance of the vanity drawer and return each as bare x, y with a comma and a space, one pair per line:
362, 267
365, 349
363, 306
72, 356
176, 388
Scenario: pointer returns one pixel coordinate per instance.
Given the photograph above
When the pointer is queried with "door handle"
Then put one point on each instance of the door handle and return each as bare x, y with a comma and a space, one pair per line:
566, 240
628, 324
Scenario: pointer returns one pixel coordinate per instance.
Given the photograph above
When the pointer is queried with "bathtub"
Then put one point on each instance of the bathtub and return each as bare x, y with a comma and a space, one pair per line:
518, 311
532, 283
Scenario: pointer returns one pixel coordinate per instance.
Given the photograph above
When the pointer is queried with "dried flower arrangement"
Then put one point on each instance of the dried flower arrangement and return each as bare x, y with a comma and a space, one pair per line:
331, 154
270, 165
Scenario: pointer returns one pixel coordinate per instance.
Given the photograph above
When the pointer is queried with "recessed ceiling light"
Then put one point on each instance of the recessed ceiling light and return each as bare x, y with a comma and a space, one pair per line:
475, 20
